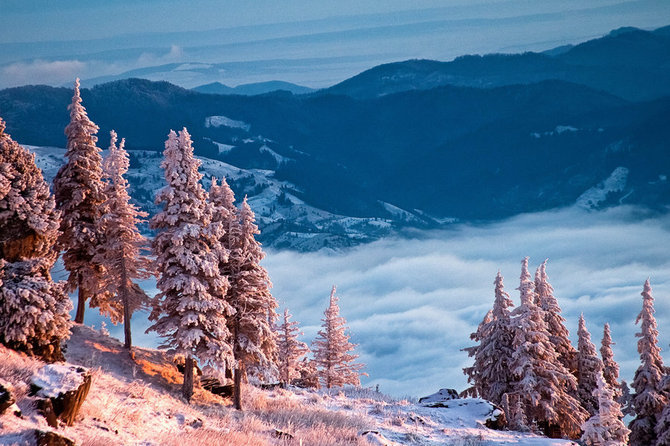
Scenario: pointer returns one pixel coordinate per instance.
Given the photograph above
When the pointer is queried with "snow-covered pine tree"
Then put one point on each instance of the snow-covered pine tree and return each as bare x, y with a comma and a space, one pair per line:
610, 366
289, 350
253, 340
663, 423
78, 190
34, 311
490, 373
649, 400
626, 400
541, 382
605, 427
190, 311
589, 367
122, 251
332, 350
558, 333
474, 373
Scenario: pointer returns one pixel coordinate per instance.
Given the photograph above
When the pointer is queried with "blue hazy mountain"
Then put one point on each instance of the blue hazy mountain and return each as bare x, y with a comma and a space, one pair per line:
417, 156
253, 88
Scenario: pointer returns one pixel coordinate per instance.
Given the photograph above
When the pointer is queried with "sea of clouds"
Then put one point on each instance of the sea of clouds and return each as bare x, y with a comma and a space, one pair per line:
412, 302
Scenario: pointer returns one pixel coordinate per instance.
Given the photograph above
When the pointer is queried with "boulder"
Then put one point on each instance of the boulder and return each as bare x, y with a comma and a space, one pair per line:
51, 439
482, 411
7, 398
65, 387
216, 387
440, 396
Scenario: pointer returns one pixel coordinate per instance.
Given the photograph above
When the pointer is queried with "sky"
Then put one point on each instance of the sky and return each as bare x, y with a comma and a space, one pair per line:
314, 43
411, 303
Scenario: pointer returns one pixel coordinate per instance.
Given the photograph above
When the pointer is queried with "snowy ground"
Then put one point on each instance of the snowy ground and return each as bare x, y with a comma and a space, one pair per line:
135, 401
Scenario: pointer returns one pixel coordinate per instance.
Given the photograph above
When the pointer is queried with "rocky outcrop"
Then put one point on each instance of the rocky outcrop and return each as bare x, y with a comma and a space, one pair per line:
439, 396
7, 398
62, 390
51, 439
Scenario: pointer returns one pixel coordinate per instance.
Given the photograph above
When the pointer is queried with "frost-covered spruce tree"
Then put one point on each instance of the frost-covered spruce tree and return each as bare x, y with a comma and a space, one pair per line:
332, 350
190, 311
490, 373
474, 373
663, 423
589, 367
649, 400
78, 190
253, 340
34, 311
541, 382
605, 427
289, 350
558, 333
123, 247
610, 366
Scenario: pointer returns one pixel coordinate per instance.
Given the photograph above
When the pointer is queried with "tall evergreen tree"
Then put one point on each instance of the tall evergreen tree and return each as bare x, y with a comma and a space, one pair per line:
490, 373
663, 423
290, 350
558, 333
589, 367
610, 366
190, 311
605, 427
332, 350
78, 190
121, 253
253, 340
34, 311
542, 383
649, 400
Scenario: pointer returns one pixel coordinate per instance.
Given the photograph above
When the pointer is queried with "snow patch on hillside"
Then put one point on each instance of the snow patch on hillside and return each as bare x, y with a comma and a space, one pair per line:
224, 121
616, 182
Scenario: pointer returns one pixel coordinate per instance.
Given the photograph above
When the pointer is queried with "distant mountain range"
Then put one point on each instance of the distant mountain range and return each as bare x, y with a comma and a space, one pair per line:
252, 89
414, 143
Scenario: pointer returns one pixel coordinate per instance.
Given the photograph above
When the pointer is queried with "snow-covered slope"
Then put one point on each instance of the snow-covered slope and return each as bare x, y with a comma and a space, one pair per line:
285, 220
134, 400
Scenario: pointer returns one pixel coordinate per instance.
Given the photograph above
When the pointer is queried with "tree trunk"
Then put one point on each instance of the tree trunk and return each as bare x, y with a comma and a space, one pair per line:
237, 380
187, 388
81, 303
125, 298
237, 391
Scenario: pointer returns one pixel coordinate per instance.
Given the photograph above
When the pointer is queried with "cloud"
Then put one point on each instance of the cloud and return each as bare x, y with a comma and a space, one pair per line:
412, 303
40, 72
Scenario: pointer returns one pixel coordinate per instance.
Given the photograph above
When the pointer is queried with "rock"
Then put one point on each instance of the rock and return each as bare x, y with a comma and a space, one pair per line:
46, 408
7, 398
375, 438
51, 439
66, 387
283, 435
496, 419
216, 387
441, 395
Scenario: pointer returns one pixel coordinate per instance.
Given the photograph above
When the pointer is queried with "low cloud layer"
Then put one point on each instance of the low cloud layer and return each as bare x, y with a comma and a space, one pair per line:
412, 303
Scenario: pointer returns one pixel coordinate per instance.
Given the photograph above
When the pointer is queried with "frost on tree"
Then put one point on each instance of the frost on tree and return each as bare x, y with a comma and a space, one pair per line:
490, 374
253, 340
332, 350
542, 384
289, 350
558, 333
663, 423
78, 190
34, 311
605, 427
190, 311
122, 252
649, 399
610, 366
589, 367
